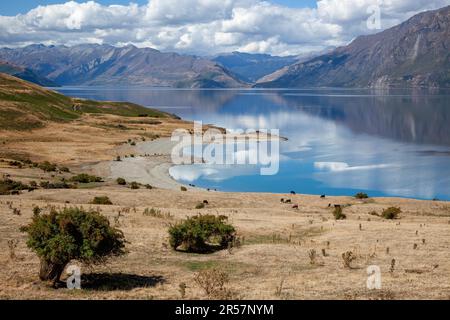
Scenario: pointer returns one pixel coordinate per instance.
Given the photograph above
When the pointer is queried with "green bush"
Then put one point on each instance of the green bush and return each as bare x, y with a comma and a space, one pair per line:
56, 185
64, 169
121, 181
183, 188
47, 166
85, 178
62, 236
339, 214
9, 186
361, 195
202, 233
134, 185
101, 200
391, 213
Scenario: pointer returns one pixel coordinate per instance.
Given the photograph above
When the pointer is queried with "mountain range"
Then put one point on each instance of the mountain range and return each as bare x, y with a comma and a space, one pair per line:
251, 67
415, 53
93, 64
412, 54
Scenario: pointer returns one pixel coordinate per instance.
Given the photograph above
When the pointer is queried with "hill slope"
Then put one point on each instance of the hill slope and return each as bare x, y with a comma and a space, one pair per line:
413, 54
107, 65
24, 105
25, 74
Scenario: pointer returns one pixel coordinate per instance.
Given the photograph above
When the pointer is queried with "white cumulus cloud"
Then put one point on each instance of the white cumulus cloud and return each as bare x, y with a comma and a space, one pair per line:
206, 27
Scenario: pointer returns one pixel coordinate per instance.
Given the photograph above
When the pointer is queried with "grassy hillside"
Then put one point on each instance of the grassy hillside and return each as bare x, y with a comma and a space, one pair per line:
25, 106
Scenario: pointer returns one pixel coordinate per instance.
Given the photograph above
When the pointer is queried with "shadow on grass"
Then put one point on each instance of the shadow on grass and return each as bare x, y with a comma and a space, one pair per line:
118, 281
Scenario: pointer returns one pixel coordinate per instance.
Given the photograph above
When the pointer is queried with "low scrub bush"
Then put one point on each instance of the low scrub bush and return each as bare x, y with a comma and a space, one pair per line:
214, 284
102, 201
71, 234
9, 186
339, 214
391, 213
85, 178
56, 185
183, 188
121, 181
361, 195
202, 233
134, 185
47, 166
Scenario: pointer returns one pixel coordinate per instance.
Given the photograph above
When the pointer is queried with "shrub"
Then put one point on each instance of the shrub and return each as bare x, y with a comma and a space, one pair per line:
347, 259
64, 169
200, 205
16, 164
101, 200
121, 181
338, 214
134, 185
9, 186
36, 210
361, 195
62, 236
85, 178
214, 282
47, 166
56, 185
202, 233
182, 188
391, 213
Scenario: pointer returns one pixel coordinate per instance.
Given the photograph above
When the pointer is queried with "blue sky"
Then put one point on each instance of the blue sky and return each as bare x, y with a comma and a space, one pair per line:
9, 8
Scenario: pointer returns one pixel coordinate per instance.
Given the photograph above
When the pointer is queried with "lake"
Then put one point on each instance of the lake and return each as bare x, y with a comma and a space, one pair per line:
340, 141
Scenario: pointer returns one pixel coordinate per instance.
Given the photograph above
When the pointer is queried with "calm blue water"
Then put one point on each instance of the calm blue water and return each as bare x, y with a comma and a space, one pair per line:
385, 143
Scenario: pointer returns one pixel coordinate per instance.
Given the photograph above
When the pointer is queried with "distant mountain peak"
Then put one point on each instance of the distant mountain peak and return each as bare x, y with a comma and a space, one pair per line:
411, 54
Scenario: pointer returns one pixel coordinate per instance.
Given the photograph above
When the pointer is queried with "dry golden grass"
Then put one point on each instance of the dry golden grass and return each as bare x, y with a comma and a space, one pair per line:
273, 261
90, 139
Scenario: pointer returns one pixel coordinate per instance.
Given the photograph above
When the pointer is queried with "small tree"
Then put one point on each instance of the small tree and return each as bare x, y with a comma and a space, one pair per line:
361, 195
73, 233
202, 233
